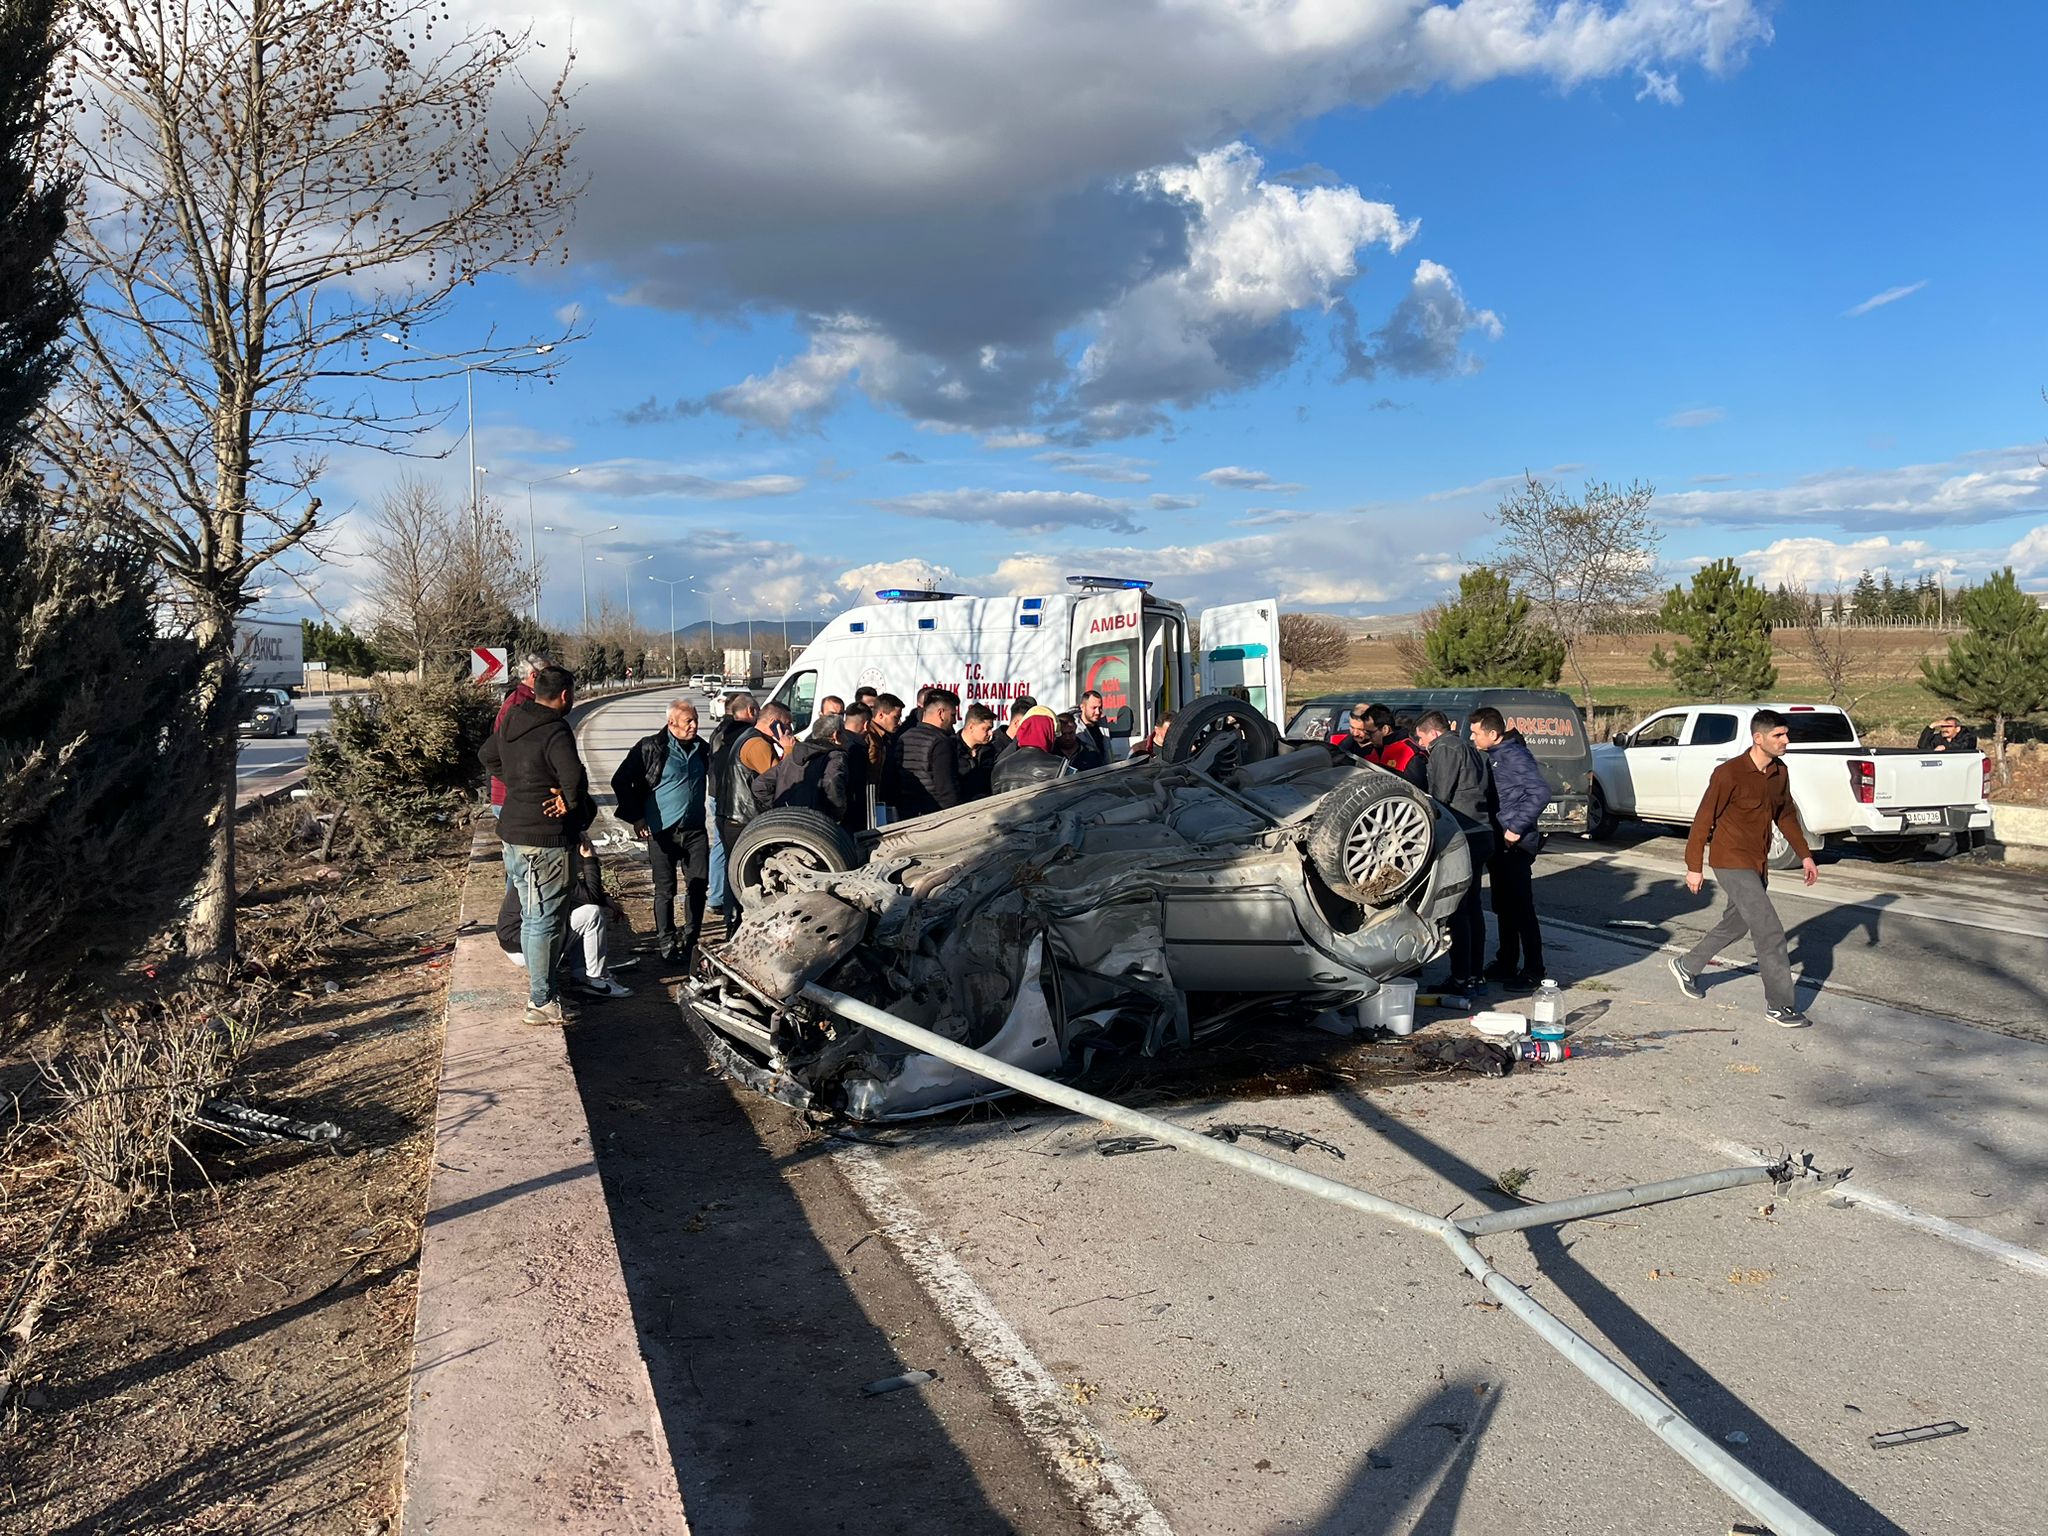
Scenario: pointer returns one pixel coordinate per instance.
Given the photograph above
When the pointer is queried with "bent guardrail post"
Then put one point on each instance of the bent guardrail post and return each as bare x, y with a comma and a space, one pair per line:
1756, 1496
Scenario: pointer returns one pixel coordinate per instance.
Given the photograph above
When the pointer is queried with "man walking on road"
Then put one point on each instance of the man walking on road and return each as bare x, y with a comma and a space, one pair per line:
1519, 794
1745, 796
547, 805
660, 789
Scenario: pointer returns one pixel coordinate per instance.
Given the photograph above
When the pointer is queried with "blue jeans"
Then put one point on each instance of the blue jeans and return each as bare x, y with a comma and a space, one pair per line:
542, 877
716, 892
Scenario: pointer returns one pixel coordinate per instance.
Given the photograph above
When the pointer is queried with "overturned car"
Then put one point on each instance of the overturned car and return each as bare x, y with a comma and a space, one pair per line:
1132, 908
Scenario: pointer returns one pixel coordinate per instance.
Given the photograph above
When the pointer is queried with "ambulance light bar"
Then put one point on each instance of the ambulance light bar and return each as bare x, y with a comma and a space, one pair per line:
1111, 583
915, 595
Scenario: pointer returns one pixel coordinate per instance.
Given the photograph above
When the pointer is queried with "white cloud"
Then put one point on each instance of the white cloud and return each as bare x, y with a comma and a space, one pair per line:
1163, 503
1879, 300
1823, 564
1232, 477
1981, 487
920, 575
1021, 511
1698, 416
638, 478
1661, 88
1014, 440
2029, 554
1110, 468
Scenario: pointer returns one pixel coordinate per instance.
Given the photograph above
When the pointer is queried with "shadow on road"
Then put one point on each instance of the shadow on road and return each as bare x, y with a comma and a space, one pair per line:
1413, 1482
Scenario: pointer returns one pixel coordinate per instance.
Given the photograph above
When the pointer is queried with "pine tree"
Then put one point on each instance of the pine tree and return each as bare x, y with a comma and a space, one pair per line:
37, 304
1997, 668
1726, 622
1866, 604
1486, 639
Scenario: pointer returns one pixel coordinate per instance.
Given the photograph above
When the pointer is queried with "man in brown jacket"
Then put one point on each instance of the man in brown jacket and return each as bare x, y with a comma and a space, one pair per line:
1744, 797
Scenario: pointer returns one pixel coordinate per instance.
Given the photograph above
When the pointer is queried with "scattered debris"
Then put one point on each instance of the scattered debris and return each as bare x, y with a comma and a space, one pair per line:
897, 1383
1143, 1408
1450, 1427
1276, 1135
1629, 922
1081, 1393
1466, 1054
1123, 1146
1736, 1437
247, 1123
1939, 1431
1744, 1066
1748, 1276
1509, 1181
1377, 1462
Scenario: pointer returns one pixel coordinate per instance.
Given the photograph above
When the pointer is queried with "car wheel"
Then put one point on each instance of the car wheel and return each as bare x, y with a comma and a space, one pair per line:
1372, 840
1216, 714
1890, 850
1600, 820
1780, 855
779, 844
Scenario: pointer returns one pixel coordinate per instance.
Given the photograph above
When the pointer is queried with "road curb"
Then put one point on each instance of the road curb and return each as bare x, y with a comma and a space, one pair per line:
268, 793
531, 1407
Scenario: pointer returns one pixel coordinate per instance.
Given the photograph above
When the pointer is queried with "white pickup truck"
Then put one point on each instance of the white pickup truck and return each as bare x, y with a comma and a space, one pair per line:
1893, 800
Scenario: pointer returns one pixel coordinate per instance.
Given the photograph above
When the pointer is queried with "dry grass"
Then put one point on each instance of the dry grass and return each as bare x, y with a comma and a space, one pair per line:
1887, 699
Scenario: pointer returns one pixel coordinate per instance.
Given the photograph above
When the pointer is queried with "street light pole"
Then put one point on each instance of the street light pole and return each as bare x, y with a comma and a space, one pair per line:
671, 582
533, 544
582, 563
469, 397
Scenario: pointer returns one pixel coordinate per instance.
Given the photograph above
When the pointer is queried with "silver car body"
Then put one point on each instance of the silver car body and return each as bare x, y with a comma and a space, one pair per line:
1146, 901
267, 712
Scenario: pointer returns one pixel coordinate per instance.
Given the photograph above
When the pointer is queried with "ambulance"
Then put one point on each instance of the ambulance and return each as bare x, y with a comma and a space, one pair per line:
1105, 633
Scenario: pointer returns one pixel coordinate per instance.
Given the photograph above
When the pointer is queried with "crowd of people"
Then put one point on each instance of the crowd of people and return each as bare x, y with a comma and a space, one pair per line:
861, 763
689, 795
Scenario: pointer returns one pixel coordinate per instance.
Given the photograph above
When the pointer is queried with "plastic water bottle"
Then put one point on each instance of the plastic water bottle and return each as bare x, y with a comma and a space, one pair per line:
1542, 1050
1546, 1014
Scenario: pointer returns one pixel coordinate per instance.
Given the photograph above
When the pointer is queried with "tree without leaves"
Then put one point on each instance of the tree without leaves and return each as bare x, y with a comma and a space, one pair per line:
1486, 639
1829, 648
1998, 668
1312, 642
1726, 620
1581, 562
263, 189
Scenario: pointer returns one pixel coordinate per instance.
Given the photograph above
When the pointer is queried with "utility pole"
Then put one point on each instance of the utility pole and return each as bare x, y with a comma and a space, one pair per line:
533, 544
582, 564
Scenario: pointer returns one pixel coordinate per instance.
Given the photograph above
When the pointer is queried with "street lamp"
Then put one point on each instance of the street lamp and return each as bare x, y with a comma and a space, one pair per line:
629, 563
468, 391
711, 609
532, 544
671, 582
582, 567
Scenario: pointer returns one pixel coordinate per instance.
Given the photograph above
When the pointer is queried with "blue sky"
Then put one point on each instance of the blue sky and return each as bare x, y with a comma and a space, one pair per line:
1056, 287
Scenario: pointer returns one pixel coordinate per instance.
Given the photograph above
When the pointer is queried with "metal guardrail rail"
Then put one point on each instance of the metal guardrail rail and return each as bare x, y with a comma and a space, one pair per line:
1756, 1496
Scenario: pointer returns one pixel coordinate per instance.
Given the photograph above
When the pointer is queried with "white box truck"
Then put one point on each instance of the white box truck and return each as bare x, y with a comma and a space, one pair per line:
1107, 633
270, 653
743, 668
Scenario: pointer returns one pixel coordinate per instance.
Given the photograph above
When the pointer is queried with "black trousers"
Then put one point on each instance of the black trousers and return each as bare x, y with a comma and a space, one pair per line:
1468, 923
729, 834
1514, 909
679, 854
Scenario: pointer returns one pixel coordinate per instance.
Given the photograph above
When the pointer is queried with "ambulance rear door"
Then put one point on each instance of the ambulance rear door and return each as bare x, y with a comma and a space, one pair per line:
1241, 656
1108, 639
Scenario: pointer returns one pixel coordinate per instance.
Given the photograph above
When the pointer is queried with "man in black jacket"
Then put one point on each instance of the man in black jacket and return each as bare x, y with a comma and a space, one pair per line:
977, 738
930, 762
660, 788
1458, 778
547, 804
814, 775
1091, 733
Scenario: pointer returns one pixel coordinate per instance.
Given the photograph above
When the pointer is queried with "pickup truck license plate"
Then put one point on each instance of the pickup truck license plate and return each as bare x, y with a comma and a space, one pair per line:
1923, 818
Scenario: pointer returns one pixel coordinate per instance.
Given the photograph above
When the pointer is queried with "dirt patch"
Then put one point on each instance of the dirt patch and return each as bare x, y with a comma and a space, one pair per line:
235, 1358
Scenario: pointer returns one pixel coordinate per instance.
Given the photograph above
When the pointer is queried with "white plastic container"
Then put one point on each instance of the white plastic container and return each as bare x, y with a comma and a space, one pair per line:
1392, 1008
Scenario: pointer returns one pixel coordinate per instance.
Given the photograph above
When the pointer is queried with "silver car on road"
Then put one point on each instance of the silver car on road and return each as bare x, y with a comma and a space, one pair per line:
1133, 908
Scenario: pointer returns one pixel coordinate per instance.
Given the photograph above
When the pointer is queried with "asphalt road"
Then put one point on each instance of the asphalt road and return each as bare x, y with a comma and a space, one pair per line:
1162, 1345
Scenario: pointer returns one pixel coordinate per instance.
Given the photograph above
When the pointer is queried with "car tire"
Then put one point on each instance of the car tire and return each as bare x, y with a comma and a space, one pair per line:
1197, 725
1780, 855
808, 838
1600, 820
1373, 839
1891, 850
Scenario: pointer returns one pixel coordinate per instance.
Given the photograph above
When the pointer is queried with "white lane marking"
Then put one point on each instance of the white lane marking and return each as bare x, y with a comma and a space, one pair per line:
1992, 914
1940, 1226
1108, 1493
